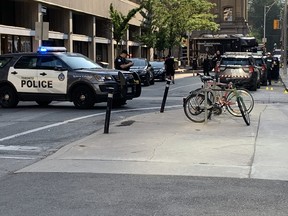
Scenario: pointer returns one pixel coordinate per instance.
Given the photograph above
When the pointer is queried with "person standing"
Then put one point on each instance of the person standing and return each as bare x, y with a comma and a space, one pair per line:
270, 65
206, 65
216, 58
121, 62
170, 68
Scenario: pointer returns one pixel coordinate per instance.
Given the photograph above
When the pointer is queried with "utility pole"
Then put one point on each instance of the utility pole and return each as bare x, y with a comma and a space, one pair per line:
266, 10
285, 39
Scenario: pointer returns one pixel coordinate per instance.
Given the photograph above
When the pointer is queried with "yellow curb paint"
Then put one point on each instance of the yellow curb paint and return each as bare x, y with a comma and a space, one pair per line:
267, 88
271, 89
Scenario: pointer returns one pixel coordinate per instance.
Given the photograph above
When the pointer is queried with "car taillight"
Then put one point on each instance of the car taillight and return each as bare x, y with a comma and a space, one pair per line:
263, 68
251, 69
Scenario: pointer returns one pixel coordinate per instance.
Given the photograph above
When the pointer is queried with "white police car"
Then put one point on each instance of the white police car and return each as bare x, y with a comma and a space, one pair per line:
52, 74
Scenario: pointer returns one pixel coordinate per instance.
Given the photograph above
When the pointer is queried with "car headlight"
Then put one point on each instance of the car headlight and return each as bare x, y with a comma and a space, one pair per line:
103, 78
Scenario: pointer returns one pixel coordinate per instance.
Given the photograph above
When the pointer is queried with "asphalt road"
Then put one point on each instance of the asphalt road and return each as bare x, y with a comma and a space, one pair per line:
41, 131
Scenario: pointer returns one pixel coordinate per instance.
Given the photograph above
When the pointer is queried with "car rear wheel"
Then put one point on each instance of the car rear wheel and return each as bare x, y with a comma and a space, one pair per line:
8, 97
83, 97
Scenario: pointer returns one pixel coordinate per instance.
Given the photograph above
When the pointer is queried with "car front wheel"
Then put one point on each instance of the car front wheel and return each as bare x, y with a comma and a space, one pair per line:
83, 97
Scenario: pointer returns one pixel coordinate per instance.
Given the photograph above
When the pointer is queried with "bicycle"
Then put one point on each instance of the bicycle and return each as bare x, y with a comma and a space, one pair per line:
238, 102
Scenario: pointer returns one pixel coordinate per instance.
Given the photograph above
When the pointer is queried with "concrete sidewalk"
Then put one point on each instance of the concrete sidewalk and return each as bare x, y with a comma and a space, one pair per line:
170, 144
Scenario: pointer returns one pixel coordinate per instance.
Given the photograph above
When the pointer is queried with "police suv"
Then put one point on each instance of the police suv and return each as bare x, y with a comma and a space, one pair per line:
52, 74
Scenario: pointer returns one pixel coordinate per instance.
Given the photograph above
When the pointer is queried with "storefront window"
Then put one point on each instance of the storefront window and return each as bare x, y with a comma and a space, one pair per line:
12, 44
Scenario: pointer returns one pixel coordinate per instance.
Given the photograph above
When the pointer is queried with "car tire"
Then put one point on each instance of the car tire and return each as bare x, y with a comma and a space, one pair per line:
83, 97
8, 97
254, 86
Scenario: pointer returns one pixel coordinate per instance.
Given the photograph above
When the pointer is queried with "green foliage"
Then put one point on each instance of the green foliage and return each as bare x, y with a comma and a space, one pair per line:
121, 22
178, 17
256, 20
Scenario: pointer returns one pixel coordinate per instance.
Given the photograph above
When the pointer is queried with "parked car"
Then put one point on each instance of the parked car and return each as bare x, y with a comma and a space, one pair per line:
159, 70
144, 69
239, 67
52, 74
261, 64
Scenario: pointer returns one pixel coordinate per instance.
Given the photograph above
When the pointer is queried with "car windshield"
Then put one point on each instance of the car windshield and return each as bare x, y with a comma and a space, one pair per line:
138, 62
157, 64
235, 61
79, 62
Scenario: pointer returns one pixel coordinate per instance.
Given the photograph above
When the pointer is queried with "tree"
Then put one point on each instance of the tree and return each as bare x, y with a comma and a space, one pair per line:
148, 28
256, 21
120, 23
181, 16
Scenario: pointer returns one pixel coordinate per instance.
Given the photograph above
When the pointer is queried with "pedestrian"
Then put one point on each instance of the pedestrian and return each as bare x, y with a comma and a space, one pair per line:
216, 58
270, 65
121, 62
206, 65
276, 66
170, 68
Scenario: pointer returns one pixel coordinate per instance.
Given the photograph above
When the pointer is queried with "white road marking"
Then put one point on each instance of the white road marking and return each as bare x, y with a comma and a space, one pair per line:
76, 119
18, 158
20, 148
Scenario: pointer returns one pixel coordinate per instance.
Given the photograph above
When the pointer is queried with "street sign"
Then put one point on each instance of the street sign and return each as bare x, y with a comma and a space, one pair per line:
43, 10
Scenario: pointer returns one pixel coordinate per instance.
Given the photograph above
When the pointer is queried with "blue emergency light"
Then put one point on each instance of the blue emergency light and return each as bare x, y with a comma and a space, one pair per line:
44, 49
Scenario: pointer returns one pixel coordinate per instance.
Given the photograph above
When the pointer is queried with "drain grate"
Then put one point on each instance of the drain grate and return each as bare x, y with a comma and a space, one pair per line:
126, 123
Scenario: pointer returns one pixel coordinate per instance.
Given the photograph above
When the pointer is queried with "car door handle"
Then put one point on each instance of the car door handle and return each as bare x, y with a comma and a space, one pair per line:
14, 73
43, 74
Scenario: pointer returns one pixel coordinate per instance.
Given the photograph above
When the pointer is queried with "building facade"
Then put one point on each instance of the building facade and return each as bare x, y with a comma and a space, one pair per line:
80, 26
85, 26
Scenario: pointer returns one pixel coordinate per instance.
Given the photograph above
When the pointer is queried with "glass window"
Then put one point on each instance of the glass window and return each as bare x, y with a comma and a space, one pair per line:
26, 62
76, 61
49, 62
228, 14
4, 61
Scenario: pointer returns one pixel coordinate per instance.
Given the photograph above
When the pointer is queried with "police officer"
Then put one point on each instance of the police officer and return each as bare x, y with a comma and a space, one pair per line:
121, 63
270, 65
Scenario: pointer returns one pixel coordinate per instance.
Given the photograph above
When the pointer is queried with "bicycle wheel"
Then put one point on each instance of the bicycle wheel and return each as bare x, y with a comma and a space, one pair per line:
243, 110
194, 107
232, 104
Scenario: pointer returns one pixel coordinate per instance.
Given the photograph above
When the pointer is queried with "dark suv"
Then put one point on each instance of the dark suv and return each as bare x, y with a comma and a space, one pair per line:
239, 67
55, 75
261, 65
144, 69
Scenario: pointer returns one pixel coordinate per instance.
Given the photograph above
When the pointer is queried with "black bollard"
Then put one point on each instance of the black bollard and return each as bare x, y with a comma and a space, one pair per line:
108, 110
165, 95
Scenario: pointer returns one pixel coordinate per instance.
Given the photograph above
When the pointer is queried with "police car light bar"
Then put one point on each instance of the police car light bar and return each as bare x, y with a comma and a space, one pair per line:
44, 49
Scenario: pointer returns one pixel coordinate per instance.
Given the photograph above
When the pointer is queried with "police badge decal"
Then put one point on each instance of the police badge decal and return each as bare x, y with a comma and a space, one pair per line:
61, 77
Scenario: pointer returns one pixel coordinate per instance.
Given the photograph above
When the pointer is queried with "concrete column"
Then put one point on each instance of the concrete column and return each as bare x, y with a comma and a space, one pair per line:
69, 41
92, 46
111, 50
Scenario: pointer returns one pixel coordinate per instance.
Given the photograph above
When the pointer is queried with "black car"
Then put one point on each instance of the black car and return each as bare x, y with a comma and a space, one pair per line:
261, 64
239, 67
52, 74
159, 70
144, 69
